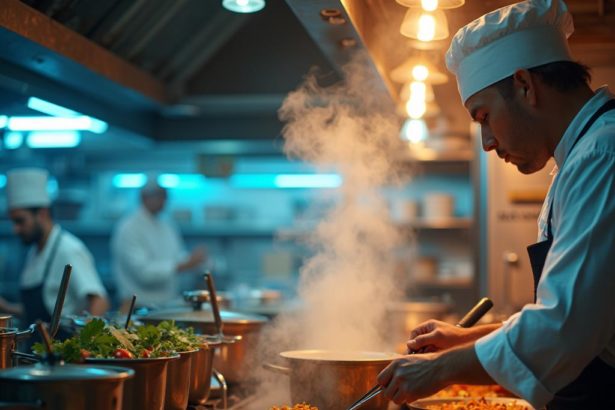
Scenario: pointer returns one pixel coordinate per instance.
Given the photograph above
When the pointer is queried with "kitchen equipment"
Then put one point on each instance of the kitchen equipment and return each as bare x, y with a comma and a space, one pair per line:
130, 310
178, 381
438, 206
198, 297
235, 356
147, 389
331, 379
52, 385
469, 320
5, 320
505, 402
405, 316
201, 372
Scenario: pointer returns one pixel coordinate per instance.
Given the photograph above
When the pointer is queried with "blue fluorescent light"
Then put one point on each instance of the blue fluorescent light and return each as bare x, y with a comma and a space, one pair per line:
243, 6
136, 180
13, 140
181, 181
4, 120
286, 180
2, 181
50, 108
53, 139
81, 123
308, 181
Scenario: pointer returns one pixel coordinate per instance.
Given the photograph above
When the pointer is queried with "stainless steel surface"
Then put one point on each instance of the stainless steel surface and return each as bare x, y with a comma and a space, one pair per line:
236, 360
333, 380
68, 387
8, 341
198, 297
405, 316
147, 389
57, 310
178, 381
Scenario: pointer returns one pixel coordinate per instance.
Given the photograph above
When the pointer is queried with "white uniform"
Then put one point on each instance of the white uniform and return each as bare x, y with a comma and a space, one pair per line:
146, 251
544, 347
84, 279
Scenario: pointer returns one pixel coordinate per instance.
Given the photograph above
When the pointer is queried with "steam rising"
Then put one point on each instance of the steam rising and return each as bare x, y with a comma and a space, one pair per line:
350, 128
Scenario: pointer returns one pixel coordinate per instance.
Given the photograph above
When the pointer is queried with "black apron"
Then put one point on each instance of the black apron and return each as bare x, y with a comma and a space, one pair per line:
595, 386
32, 297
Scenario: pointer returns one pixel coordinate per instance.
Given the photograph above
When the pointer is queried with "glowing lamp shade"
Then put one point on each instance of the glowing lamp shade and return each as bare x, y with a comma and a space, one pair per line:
243, 6
416, 69
414, 131
432, 4
417, 109
424, 25
417, 89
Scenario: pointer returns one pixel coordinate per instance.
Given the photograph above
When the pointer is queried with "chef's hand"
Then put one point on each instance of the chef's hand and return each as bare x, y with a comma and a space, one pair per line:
433, 335
196, 258
411, 378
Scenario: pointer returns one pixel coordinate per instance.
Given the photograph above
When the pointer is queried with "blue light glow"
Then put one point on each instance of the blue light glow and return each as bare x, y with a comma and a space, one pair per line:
136, 180
13, 140
243, 6
181, 181
49, 108
286, 181
4, 120
81, 123
53, 139
2, 181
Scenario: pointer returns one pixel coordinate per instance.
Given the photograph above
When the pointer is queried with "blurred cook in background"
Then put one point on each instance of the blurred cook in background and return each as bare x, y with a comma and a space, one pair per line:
148, 253
52, 248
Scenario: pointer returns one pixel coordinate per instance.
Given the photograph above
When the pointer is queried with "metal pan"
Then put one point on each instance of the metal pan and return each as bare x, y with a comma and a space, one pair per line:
425, 404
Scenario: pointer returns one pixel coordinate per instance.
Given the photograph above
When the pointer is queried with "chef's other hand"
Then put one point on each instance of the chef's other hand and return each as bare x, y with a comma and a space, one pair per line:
196, 258
435, 335
411, 378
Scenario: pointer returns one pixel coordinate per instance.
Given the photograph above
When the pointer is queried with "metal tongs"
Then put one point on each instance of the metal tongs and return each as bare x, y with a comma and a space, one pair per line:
469, 320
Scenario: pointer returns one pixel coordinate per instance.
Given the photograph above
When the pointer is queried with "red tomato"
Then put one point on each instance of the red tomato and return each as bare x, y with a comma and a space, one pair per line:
145, 353
85, 354
122, 354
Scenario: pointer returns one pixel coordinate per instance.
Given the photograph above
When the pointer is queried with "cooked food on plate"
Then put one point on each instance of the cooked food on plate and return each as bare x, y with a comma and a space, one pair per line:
301, 406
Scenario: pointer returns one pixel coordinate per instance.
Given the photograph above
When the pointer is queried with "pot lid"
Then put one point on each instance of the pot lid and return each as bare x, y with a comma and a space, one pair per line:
345, 356
43, 373
188, 315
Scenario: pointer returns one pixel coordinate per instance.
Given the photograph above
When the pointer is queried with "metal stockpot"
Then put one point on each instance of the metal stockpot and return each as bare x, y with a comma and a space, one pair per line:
146, 390
178, 381
5, 320
235, 361
8, 341
333, 380
64, 387
200, 375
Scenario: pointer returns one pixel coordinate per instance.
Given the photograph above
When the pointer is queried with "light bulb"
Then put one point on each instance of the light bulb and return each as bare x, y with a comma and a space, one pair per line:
424, 25
416, 108
429, 5
420, 72
427, 27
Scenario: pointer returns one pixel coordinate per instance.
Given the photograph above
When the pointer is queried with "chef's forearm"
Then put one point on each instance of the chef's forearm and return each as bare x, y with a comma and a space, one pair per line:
477, 332
460, 365
97, 305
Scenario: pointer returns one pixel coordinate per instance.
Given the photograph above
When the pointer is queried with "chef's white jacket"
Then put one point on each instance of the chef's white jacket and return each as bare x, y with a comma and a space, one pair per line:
84, 278
146, 251
543, 348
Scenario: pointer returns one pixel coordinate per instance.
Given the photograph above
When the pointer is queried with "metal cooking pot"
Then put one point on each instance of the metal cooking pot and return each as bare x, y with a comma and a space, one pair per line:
8, 340
234, 361
403, 317
178, 381
201, 372
64, 387
5, 320
333, 380
147, 389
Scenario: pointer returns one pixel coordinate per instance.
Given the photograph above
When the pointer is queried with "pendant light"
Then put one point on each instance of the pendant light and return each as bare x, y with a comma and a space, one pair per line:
432, 4
424, 25
418, 69
243, 6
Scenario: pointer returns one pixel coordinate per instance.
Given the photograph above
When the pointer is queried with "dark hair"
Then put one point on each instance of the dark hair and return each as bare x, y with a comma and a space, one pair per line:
561, 75
34, 210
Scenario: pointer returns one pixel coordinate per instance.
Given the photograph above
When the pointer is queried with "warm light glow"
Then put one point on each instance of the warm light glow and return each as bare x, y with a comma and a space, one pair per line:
424, 26
416, 108
429, 5
418, 90
427, 27
420, 72
414, 131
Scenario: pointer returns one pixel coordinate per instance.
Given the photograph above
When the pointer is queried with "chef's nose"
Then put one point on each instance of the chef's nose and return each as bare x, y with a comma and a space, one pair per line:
489, 142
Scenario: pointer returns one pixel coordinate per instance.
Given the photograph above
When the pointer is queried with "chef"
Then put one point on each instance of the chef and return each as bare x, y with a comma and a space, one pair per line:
52, 247
148, 252
518, 80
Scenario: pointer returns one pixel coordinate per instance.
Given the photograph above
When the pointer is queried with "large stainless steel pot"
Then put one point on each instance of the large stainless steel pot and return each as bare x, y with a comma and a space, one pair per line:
178, 381
67, 387
403, 317
146, 391
8, 340
333, 380
235, 361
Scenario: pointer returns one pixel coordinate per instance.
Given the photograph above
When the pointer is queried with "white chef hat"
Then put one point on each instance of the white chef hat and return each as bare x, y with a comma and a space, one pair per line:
494, 46
27, 188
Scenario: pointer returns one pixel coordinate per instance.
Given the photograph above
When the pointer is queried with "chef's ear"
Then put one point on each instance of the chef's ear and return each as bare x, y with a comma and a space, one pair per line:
525, 86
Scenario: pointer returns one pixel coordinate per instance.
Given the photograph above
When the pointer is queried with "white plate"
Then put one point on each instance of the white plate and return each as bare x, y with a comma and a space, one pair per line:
423, 403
